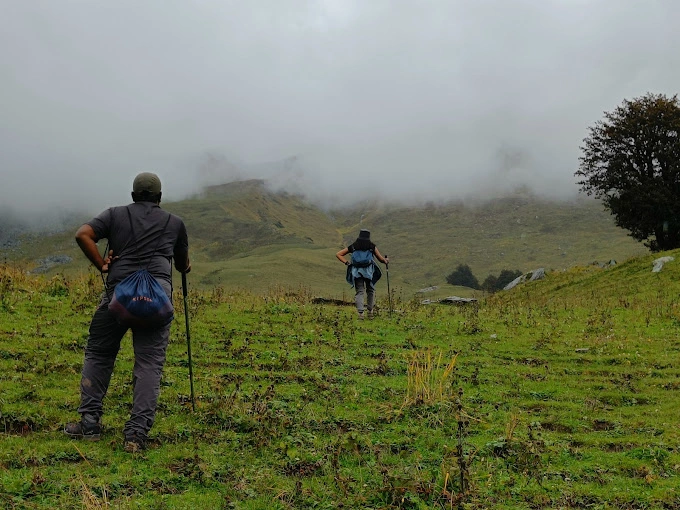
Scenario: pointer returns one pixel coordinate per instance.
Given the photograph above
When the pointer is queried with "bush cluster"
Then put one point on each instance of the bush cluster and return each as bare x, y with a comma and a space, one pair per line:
463, 276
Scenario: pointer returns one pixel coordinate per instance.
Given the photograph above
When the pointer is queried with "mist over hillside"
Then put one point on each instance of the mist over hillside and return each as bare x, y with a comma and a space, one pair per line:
326, 187
16, 224
392, 178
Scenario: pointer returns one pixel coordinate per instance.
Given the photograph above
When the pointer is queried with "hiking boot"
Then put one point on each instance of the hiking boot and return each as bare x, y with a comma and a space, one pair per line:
370, 314
361, 316
83, 430
135, 443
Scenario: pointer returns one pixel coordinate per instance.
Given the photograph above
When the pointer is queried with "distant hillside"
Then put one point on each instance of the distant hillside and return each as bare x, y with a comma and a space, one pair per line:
243, 235
514, 232
238, 217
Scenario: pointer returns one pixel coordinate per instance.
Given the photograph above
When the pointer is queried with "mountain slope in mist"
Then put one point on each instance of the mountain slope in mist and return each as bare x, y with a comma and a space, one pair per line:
242, 234
230, 219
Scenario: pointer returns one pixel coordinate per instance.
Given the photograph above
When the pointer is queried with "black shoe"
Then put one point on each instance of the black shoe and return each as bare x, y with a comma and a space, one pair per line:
135, 443
83, 430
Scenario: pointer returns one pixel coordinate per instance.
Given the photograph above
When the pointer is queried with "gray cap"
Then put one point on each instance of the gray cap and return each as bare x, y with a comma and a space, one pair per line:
146, 181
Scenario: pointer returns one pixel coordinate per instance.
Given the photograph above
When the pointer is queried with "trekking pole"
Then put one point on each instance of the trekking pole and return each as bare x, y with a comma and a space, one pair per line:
186, 317
389, 294
106, 254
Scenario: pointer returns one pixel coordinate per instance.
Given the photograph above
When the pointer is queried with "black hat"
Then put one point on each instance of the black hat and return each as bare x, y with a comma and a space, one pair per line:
364, 234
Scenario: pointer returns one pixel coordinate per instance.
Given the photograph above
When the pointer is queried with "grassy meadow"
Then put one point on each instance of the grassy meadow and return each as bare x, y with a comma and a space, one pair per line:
561, 393
243, 235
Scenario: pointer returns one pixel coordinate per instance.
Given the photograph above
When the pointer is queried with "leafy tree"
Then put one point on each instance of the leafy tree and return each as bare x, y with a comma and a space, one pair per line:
463, 276
507, 276
490, 284
631, 160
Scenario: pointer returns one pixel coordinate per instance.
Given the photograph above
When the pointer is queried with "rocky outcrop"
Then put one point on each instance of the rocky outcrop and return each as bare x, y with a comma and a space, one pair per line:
427, 289
451, 300
49, 262
659, 263
536, 274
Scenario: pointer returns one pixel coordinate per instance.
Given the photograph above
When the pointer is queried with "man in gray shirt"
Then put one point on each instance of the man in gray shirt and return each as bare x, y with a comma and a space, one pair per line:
140, 235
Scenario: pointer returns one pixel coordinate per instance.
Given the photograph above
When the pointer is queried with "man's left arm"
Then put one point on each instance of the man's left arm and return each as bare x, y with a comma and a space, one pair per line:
181, 251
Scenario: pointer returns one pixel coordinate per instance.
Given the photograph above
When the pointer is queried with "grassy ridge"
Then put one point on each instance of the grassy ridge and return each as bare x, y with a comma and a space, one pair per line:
243, 235
239, 217
559, 394
519, 232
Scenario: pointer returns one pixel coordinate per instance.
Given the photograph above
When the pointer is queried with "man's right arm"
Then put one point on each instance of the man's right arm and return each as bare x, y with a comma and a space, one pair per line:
184, 267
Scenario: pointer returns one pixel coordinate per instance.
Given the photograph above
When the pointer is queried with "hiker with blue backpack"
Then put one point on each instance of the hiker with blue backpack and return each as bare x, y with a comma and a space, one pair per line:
143, 240
362, 271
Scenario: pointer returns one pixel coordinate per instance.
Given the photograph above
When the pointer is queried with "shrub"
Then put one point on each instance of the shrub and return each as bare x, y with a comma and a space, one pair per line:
463, 276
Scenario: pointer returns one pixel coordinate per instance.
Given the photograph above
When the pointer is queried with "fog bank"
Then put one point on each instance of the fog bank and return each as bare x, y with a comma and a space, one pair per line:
350, 99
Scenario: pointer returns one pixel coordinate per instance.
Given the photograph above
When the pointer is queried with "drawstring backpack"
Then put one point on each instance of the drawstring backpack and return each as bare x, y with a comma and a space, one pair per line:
139, 301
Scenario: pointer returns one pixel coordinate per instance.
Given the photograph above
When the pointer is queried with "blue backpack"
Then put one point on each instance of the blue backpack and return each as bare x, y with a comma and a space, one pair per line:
362, 258
139, 301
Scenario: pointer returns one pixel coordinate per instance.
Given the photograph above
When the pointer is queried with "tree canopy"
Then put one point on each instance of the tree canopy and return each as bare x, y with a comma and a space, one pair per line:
631, 161
463, 276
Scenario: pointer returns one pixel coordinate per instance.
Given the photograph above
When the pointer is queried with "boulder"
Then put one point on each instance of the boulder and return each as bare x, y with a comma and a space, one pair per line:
451, 300
536, 274
331, 301
659, 263
47, 263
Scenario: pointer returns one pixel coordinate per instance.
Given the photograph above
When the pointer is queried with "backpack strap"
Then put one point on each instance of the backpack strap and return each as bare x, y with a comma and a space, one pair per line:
134, 238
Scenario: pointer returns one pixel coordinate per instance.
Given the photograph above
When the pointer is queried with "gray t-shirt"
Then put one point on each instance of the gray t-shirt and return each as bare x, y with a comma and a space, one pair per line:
150, 247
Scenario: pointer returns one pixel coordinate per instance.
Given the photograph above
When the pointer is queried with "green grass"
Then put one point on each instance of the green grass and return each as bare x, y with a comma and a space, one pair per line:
559, 394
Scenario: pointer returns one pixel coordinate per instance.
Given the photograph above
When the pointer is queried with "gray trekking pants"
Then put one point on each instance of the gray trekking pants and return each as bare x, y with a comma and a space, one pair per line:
103, 344
363, 286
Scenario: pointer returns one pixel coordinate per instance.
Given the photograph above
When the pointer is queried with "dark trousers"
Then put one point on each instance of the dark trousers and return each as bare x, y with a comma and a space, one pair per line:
102, 348
363, 286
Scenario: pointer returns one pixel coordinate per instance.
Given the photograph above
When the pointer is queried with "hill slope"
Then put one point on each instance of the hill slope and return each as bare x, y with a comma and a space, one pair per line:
243, 235
561, 393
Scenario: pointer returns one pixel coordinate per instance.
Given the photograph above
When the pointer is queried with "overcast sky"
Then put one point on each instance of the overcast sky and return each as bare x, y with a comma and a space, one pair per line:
424, 99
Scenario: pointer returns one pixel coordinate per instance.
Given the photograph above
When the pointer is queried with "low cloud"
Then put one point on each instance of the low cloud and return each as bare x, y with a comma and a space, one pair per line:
340, 100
